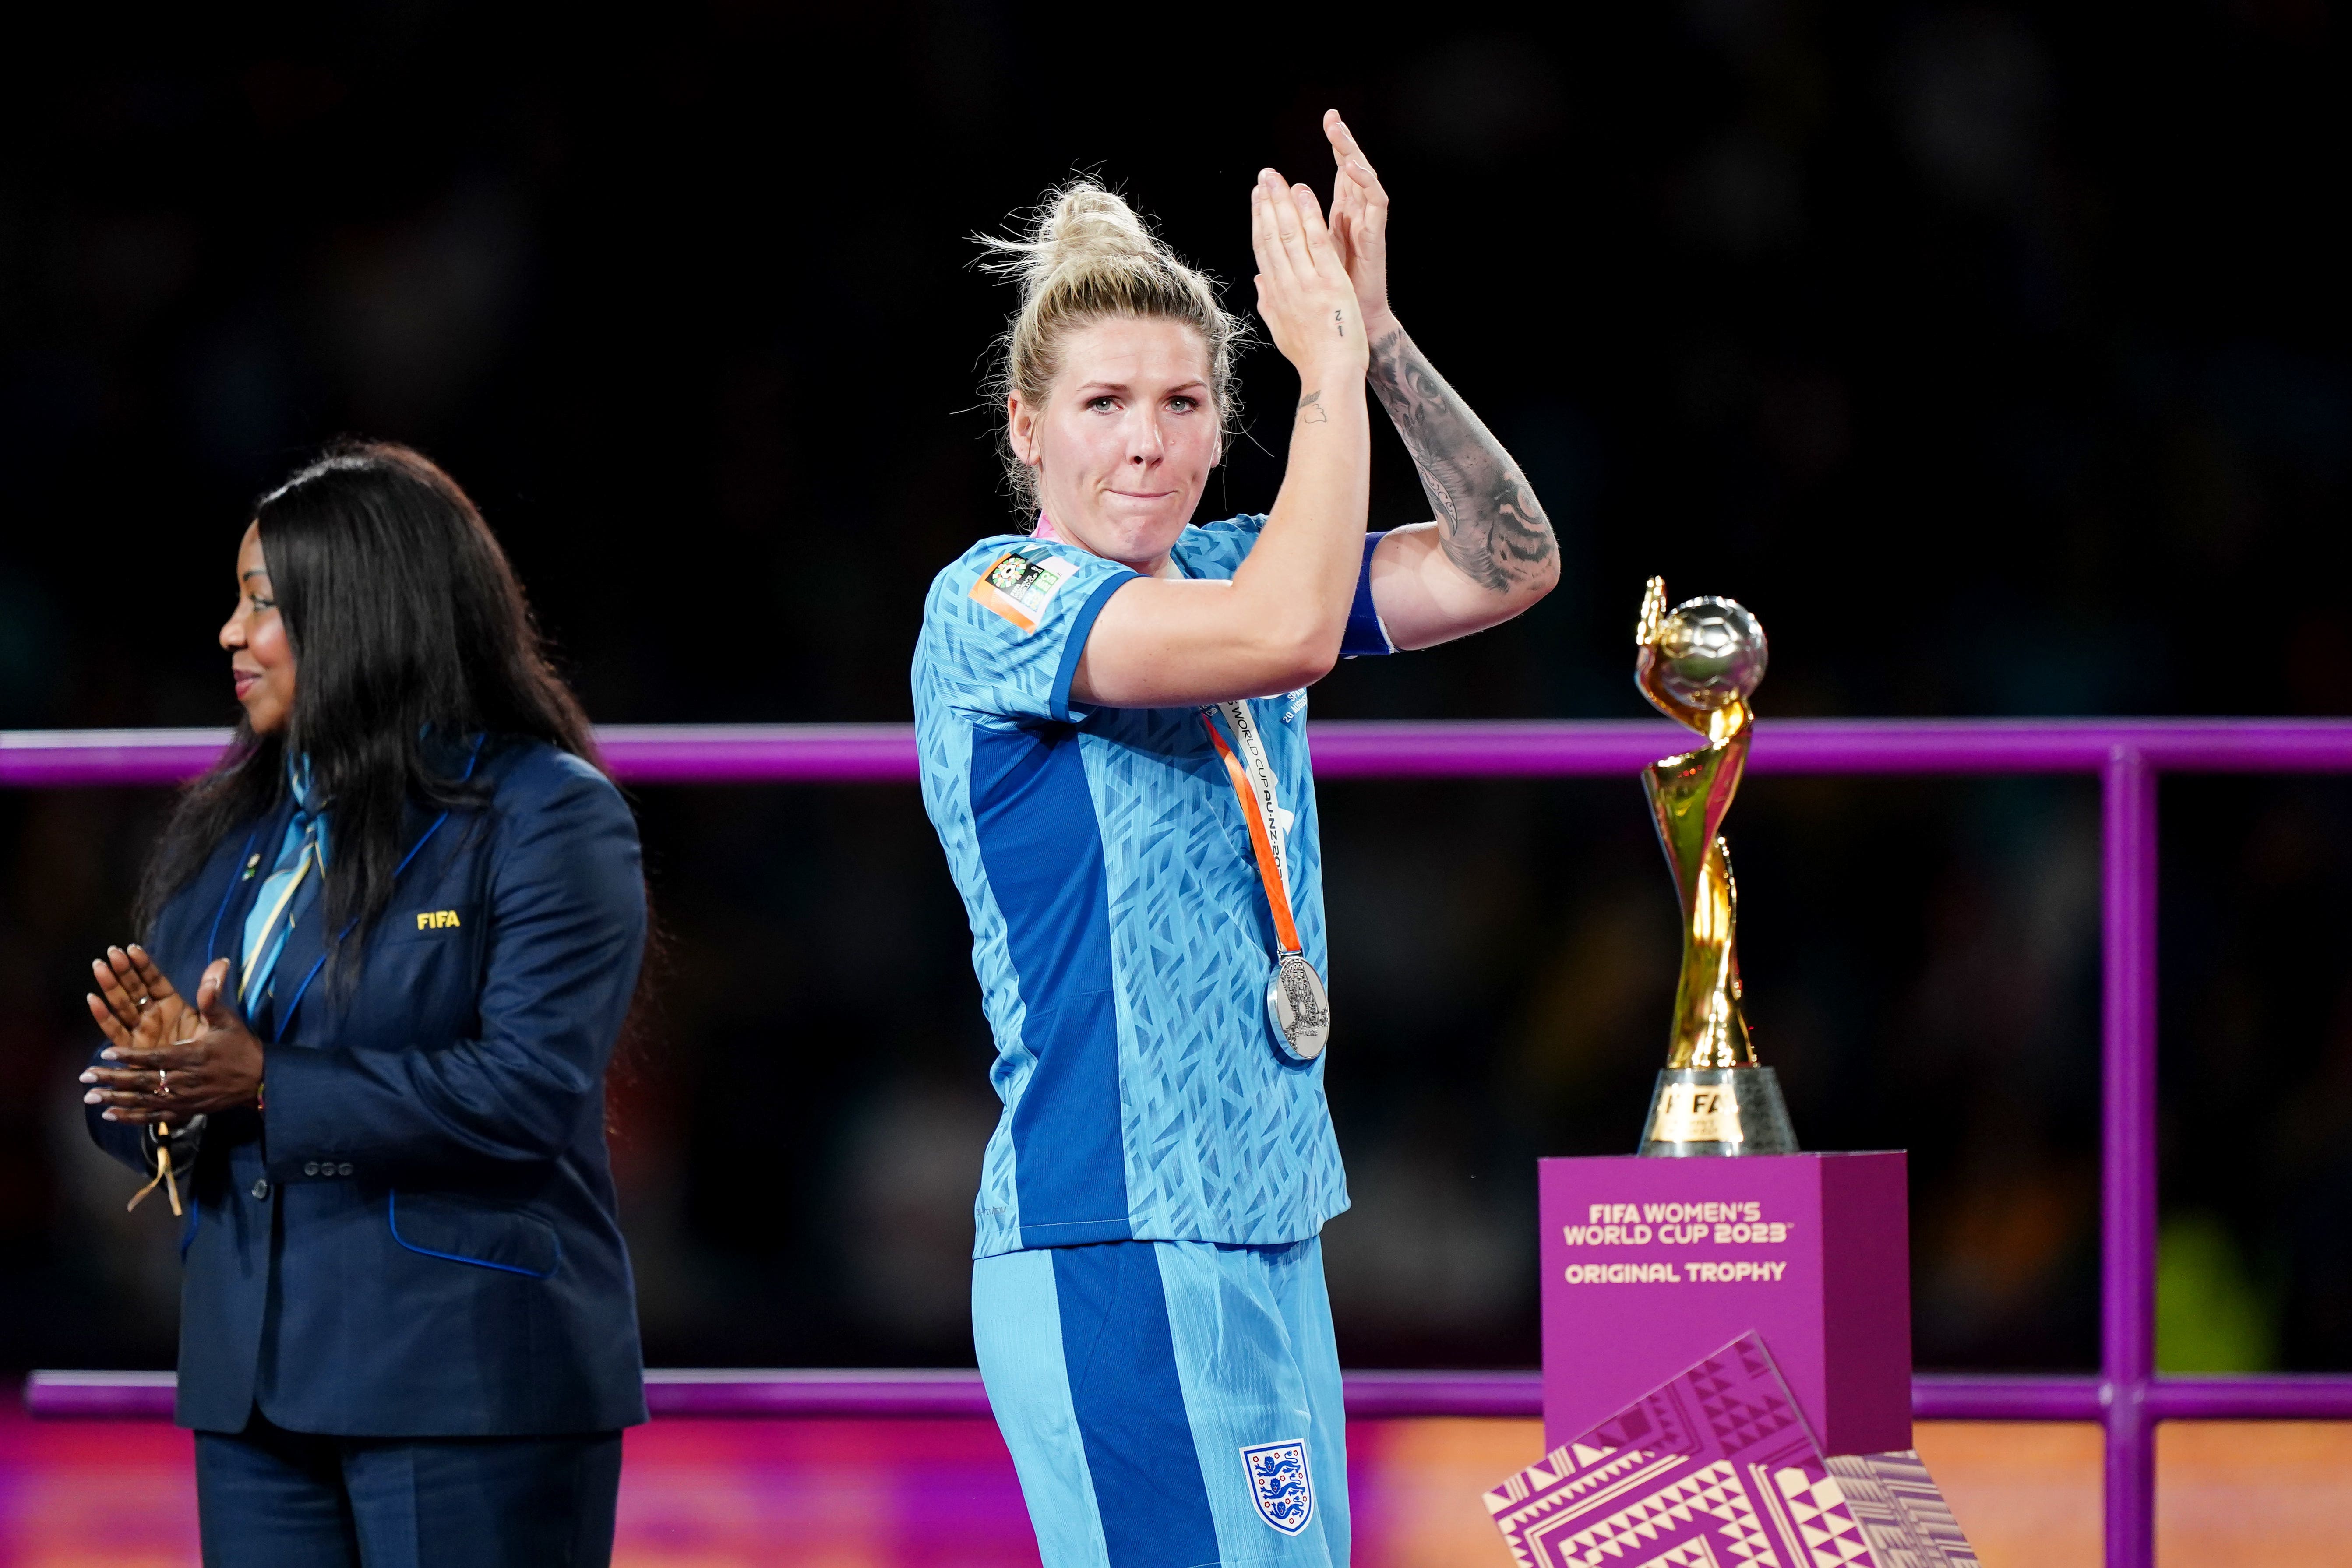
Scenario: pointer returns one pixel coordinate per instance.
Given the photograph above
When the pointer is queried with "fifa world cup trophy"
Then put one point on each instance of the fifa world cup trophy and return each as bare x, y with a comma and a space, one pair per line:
1699, 665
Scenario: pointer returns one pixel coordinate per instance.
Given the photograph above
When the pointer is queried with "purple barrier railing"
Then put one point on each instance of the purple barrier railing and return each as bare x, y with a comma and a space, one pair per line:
885, 753
2126, 1397
1371, 1396
735, 1392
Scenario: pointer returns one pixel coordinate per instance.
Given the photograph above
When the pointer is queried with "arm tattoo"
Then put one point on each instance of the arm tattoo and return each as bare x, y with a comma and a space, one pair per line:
1493, 528
1310, 410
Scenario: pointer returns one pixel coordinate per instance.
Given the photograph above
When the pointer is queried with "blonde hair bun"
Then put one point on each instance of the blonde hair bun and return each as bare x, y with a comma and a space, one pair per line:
1078, 230
1085, 256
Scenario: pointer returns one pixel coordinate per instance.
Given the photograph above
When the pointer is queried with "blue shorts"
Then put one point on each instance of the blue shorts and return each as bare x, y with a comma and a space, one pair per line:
1169, 1403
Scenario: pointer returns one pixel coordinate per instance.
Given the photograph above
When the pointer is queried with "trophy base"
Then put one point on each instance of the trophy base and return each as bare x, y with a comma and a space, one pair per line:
1718, 1111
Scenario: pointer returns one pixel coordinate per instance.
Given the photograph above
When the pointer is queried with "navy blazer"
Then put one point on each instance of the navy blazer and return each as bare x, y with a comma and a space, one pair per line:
417, 1236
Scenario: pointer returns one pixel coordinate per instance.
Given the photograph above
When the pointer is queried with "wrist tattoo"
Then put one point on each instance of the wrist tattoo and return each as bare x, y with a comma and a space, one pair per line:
1492, 526
1310, 409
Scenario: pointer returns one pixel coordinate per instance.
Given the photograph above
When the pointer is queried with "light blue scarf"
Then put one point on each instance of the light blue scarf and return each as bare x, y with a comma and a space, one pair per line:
289, 895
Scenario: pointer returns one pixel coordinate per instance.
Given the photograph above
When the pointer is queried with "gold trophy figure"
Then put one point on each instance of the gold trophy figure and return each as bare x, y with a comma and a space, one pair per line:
1699, 665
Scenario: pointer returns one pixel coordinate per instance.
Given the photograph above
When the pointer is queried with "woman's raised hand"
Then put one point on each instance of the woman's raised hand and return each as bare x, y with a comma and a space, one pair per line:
154, 1076
1359, 223
134, 1001
1302, 289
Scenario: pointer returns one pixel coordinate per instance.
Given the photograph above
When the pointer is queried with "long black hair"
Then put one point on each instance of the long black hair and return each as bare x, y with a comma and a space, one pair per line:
411, 637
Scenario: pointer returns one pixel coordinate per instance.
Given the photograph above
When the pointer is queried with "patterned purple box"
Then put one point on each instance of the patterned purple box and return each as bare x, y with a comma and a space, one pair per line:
1714, 1469
1649, 1265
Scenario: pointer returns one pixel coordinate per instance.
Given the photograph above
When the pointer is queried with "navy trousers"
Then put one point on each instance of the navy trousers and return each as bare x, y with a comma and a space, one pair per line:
268, 1498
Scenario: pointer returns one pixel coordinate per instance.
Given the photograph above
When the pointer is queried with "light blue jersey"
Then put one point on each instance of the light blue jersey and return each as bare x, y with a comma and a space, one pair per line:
1119, 928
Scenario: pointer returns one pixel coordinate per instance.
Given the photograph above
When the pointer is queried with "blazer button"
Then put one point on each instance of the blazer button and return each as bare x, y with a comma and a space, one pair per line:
261, 1189
309, 1167
344, 1169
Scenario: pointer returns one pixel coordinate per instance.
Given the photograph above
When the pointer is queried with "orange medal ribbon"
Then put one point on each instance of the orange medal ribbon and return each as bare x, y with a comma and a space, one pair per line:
1277, 897
1295, 1000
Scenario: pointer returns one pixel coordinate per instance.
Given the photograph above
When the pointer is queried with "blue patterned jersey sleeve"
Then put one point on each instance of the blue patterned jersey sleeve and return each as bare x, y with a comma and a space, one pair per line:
1216, 549
1005, 626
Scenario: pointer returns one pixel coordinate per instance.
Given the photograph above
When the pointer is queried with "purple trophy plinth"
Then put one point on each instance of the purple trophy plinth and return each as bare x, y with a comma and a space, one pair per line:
1650, 1265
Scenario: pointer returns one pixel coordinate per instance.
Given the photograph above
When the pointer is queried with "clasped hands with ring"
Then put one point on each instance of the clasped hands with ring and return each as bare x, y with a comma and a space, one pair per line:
149, 1028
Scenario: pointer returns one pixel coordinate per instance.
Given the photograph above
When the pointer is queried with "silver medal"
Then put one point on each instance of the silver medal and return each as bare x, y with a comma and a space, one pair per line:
1300, 1010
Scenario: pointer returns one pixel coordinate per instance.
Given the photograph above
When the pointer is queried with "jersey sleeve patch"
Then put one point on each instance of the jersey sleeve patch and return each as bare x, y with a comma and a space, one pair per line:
1020, 583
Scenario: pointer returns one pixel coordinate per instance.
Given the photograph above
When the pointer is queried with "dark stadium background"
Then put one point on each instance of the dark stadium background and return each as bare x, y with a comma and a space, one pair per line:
1996, 357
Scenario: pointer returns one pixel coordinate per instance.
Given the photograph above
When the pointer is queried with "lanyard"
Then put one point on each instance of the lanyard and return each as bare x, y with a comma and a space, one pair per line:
1253, 788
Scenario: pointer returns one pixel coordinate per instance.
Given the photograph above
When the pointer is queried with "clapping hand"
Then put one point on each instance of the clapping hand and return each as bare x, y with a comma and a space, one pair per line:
171, 1061
133, 996
1360, 225
1302, 289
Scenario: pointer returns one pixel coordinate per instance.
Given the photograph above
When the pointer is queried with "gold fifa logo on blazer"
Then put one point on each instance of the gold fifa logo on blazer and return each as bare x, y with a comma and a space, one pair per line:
435, 920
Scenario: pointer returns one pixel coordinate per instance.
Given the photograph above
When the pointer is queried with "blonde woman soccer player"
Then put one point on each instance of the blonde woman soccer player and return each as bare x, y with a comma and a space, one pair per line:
1112, 715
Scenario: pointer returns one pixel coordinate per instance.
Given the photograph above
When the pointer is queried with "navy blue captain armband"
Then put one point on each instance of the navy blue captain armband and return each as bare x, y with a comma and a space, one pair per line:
1365, 634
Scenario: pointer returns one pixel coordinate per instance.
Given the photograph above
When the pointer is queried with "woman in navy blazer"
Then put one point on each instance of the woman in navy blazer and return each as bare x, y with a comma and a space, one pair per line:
409, 909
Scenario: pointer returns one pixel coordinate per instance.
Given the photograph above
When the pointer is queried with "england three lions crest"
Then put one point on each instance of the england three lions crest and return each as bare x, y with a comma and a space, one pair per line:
1279, 1484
